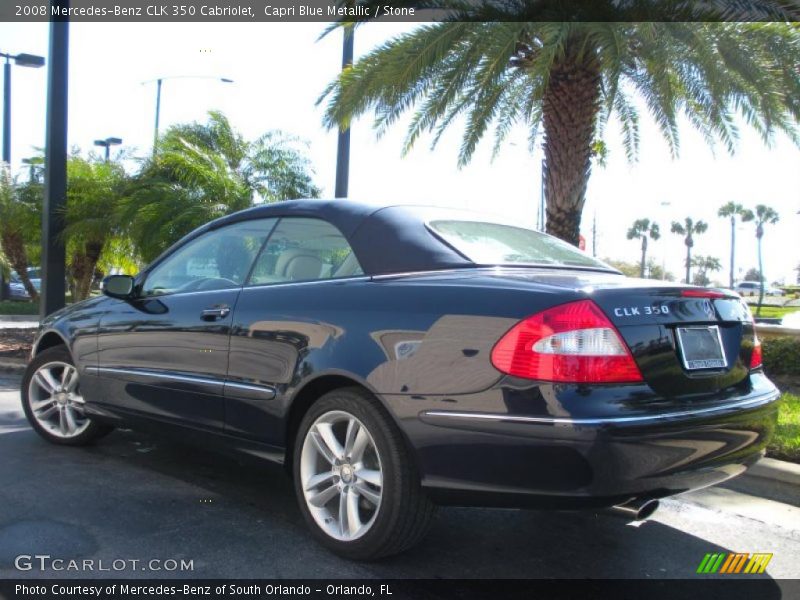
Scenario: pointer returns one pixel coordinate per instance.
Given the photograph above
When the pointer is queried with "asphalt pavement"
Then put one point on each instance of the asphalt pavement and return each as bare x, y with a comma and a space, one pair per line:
132, 497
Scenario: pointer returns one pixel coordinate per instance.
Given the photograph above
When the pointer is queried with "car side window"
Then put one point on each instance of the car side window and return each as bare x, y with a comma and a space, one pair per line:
216, 260
304, 249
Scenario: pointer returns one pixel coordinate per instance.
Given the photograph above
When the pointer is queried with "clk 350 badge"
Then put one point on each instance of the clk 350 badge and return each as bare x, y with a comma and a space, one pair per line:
635, 311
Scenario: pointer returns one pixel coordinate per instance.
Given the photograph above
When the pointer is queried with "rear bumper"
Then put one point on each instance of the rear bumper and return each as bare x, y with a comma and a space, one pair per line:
477, 458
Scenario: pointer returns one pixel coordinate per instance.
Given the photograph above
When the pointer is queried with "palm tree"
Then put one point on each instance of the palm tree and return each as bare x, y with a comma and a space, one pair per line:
567, 78
705, 265
732, 210
204, 171
643, 228
688, 229
92, 230
20, 215
765, 215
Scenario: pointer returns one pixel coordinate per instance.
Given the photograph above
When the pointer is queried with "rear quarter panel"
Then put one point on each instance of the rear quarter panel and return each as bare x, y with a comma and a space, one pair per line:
399, 337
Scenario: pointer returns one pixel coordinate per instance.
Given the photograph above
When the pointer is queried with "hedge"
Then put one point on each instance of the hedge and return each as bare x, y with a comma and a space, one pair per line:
782, 356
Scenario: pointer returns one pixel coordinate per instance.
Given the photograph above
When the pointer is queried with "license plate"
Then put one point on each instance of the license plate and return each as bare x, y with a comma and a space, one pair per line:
701, 347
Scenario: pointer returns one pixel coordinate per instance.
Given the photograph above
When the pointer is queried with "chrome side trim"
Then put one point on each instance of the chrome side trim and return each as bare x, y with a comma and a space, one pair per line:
250, 387
263, 390
749, 403
156, 375
330, 281
248, 391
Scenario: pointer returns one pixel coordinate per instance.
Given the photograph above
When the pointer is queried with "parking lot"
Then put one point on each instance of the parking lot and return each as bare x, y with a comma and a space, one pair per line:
135, 497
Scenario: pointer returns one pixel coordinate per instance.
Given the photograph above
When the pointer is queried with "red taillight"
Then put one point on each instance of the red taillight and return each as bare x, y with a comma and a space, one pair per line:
574, 343
700, 293
756, 357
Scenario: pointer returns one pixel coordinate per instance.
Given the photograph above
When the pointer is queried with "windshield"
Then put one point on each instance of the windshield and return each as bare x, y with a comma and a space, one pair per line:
488, 243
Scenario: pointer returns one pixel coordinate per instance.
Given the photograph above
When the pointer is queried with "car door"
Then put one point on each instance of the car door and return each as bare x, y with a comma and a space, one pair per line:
280, 318
164, 353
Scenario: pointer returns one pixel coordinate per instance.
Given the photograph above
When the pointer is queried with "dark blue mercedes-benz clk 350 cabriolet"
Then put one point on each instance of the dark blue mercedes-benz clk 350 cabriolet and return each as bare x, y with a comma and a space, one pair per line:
395, 358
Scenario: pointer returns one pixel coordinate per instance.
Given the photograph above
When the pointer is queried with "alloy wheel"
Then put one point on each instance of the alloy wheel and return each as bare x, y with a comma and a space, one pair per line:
55, 400
341, 475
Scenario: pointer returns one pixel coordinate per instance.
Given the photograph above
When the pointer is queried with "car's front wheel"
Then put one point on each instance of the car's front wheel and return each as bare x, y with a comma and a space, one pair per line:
357, 487
53, 403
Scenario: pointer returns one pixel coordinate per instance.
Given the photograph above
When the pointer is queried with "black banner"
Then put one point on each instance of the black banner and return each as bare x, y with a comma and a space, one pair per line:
734, 588
399, 10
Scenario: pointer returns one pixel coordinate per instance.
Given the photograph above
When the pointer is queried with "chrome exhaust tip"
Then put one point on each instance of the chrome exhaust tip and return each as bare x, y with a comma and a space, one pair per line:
637, 509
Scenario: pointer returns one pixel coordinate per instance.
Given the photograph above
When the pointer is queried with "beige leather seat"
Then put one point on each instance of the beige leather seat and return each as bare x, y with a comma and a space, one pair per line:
298, 265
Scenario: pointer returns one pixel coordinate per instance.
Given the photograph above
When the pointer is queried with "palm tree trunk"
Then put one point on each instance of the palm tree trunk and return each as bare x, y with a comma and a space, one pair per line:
83, 267
688, 264
761, 279
569, 115
733, 248
644, 256
14, 248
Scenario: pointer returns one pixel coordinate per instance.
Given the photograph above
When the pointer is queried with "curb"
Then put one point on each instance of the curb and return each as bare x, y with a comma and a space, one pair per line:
12, 365
18, 318
776, 470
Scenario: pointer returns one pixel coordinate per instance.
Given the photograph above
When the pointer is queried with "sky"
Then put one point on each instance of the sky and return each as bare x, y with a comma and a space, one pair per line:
280, 69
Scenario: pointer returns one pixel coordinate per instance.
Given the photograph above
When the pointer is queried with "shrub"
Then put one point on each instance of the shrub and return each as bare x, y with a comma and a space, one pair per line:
782, 356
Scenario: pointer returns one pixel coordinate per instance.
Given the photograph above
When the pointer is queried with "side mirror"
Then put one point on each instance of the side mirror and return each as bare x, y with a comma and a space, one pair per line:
118, 286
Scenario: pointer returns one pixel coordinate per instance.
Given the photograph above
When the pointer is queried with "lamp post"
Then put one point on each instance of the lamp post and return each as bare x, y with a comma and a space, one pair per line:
21, 60
159, 82
55, 169
343, 143
107, 143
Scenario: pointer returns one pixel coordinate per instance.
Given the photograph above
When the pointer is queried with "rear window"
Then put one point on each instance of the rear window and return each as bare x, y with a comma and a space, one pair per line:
488, 243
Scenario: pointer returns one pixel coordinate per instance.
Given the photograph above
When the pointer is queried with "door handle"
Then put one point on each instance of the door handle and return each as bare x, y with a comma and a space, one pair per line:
217, 312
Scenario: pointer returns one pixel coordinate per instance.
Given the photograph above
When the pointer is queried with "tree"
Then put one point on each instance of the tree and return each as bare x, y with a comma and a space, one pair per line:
657, 271
732, 210
626, 268
20, 215
204, 171
752, 275
765, 215
705, 265
567, 78
688, 229
644, 229
94, 191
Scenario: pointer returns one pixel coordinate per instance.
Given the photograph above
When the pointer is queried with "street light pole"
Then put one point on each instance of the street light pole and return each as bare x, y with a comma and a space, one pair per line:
107, 143
343, 143
158, 113
22, 60
159, 83
7, 111
55, 172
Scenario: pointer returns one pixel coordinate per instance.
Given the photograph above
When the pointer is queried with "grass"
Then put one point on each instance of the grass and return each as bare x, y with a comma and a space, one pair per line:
8, 307
773, 312
785, 443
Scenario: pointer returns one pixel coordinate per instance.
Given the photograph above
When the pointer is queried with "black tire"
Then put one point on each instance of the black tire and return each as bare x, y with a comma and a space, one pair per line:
405, 512
92, 432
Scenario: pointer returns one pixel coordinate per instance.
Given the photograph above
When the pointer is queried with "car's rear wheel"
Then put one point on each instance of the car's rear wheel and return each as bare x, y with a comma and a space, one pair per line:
357, 487
53, 403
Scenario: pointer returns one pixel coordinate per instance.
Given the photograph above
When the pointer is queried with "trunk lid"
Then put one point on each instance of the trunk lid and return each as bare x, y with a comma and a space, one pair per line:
650, 315
682, 344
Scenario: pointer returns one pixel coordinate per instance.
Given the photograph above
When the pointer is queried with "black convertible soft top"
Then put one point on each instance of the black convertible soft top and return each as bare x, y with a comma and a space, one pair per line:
385, 239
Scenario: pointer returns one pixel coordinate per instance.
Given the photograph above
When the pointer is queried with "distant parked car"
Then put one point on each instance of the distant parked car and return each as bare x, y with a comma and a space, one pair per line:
751, 288
16, 289
747, 288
